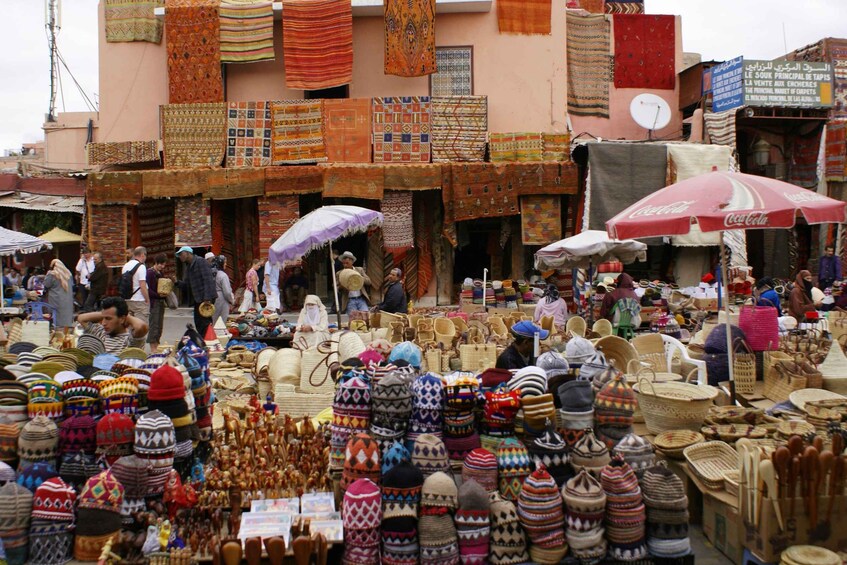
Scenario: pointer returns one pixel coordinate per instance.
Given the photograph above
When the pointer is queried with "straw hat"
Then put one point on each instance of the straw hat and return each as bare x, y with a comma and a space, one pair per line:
351, 279
617, 350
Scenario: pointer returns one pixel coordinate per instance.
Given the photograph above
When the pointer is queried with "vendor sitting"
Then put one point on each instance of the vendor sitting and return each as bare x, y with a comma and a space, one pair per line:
551, 305
394, 299
312, 325
625, 290
766, 295
114, 326
800, 300
519, 354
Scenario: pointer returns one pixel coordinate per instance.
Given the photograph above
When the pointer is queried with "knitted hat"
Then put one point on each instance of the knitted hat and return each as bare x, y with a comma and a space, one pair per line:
537, 411
508, 542
9, 441
392, 397
361, 460
491, 378
361, 514
50, 542
498, 416
541, 515
439, 542
78, 433
636, 451
662, 489
439, 489
394, 455
166, 384
7, 474
550, 451
115, 435
430, 455
427, 406
34, 475
473, 525
350, 414
15, 508
39, 440
576, 396
76, 468
553, 363
578, 350
584, 494
54, 500
513, 466
529, 381
76, 386
480, 465
401, 491
134, 474
102, 492
585, 501
625, 511
154, 434
461, 391
615, 403
590, 454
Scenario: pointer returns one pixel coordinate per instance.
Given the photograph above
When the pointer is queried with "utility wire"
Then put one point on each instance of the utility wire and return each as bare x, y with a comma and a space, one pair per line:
88, 102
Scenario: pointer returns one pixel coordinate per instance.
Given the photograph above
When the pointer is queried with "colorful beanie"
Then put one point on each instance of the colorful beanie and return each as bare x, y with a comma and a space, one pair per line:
541, 515
54, 500
427, 407
550, 451
585, 501
529, 381
102, 492
590, 454
636, 451
508, 541
481, 466
498, 415
39, 440
115, 436
33, 476
78, 433
513, 466
439, 542
361, 460
401, 491
394, 455
473, 524
430, 455
362, 515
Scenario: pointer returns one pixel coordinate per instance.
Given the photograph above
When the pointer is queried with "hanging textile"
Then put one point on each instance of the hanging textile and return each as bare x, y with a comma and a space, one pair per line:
353, 181
235, 183
836, 150
527, 17
398, 231
686, 160
541, 219
410, 272
132, 20
519, 146
276, 216
803, 165
401, 127
113, 188
556, 147
192, 224
317, 41
409, 37
589, 65
374, 264
248, 137
721, 127
454, 74
192, 33
424, 223
624, 6
174, 182
156, 228
592, 6
121, 152
194, 135
459, 128
107, 233
412, 177
302, 179
347, 130
543, 178
645, 51
298, 132
480, 190
836, 52
247, 33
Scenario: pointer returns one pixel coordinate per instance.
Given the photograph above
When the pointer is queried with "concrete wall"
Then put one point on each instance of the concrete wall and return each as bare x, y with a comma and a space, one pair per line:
64, 140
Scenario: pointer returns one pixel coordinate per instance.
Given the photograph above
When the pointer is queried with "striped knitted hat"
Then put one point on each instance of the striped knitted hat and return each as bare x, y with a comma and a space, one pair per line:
541, 515
529, 381
662, 489
54, 500
498, 415
134, 474
154, 435
39, 440
439, 542
361, 460
15, 508
9, 441
590, 454
392, 397
480, 465
461, 391
584, 494
513, 466
615, 403
473, 524
586, 509
76, 468
439, 489
350, 415
636, 451
34, 475
362, 515
430, 455
7, 474
401, 491
537, 410
550, 451
576, 396
508, 541
394, 455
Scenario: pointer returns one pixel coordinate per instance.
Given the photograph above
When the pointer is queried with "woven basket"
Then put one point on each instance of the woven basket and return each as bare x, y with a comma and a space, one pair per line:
671, 406
477, 358
460, 324
710, 460
298, 404
165, 286
445, 331
432, 357
498, 326
733, 432
396, 332
743, 368
837, 326
350, 345
284, 366
637, 369
799, 398
672, 442
351, 279
386, 319
771, 357
602, 327
781, 379
790, 428
576, 326
730, 482
617, 350
314, 370
651, 349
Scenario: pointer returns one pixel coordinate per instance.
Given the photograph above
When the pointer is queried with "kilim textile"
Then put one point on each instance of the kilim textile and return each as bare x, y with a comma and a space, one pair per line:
803, 167
235, 183
293, 180
276, 215
397, 227
836, 52
501, 147
347, 130
113, 188
412, 177
194, 135
374, 264
589, 65
645, 47
520, 146
686, 160
479, 190
156, 227
248, 134
132, 20
556, 147
721, 127
317, 43
448, 229
624, 7
622, 174
836, 150
543, 178
353, 181
247, 32
401, 129
409, 37
528, 17
121, 152
425, 207
409, 266
592, 6
192, 224
298, 134
541, 219
454, 74
459, 126
107, 233
174, 182
192, 31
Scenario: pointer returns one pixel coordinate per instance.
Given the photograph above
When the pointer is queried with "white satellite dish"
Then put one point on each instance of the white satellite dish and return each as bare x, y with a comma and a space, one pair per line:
650, 112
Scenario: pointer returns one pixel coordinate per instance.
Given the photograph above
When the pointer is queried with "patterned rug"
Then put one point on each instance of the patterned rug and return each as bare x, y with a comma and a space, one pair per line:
589, 65
107, 233
156, 228
401, 129
113, 188
640, 38
520, 146
591, 6
836, 52
317, 43
375, 263
194, 134
226, 184
248, 141
803, 167
298, 133
121, 152
132, 20
247, 33
192, 223
398, 231
721, 127
409, 37
624, 7
454, 72
543, 178
836, 150
459, 126
347, 130
192, 29
480, 190
541, 219
528, 17
276, 215
425, 206
412, 177
353, 181
556, 147
174, 183
293, 180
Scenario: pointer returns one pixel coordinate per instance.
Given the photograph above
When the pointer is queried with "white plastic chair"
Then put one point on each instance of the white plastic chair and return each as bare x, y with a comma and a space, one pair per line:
674, 346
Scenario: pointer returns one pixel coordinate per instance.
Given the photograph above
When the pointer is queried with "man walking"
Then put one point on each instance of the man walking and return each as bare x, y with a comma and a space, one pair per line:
829, 268
199, 283
271, 287
138, 301
98, 282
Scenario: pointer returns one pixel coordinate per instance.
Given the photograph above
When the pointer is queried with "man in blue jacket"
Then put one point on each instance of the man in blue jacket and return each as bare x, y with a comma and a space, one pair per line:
829, 268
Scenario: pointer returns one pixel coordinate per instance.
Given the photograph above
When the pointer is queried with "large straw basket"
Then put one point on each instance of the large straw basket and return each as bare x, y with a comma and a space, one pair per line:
351, 279
477, 358
617, 351
350, 344
386, 319
433, 360
782, 378
576, 326
165, 286
445, 331
314, 370
651, 350
602, 327
498, 326
837, 326
744, 368
671, 406
710, 460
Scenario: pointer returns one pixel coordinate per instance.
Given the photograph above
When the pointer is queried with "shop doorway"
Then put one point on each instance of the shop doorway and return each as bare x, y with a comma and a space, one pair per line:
479, 248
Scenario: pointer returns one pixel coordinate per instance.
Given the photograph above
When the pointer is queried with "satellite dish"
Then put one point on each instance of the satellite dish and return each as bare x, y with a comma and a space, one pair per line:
650, 112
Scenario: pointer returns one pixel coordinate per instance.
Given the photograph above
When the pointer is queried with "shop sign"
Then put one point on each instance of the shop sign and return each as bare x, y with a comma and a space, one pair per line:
727, 85
799, 84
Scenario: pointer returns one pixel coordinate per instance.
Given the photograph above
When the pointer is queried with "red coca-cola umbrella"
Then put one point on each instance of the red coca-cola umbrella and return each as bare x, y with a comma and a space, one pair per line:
720, 201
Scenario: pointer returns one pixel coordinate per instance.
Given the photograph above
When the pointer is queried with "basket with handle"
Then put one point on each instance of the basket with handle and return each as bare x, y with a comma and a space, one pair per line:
837, 326
314, 369
782, 378
478, 357
743, 367
760, 326
432, 356
671, 406
445, 331
710, 460
771, 356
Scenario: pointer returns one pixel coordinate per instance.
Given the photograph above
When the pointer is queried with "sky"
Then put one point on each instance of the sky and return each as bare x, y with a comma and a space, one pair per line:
717, 29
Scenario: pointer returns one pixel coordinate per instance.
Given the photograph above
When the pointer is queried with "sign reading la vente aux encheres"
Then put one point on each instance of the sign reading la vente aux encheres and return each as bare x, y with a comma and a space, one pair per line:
781, 83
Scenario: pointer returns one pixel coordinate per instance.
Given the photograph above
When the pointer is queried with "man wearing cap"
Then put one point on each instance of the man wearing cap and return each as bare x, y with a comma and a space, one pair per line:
519, 354
394, 299
353, 300
199, 283
210, 258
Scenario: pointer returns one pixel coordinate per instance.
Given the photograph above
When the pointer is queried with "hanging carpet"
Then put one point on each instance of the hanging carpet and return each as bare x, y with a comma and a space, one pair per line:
527, 17
248, 137
174, 182
459, 127
192, 34
276, 215
235, 183
409, 37
121, 152
298, 132
107, 233
836, 150
412, 177
589, 65
347, 130
156, 228
803, 166
302, 179
401, 129
353, 181
132, 20
398, 229
113, 188
541, 219
721, 127
645, 50
194, 135
317, 43
192, 223
247, 33
624, 6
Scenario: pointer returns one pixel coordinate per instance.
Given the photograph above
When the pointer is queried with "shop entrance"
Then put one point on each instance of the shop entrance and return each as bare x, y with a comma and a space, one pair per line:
479, 248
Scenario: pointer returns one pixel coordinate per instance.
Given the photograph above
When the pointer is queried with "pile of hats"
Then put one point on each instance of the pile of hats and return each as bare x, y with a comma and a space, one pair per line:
350, 415
34, 475
99, 515
513, 467
362, 515
427, 408
393, 456
481, 466
80, 395
590, 454
473, 524
578, 350
429, 455
577, 410
541, 515
155, 443
667, 513
15, 515
585, 501
392, 406
460, 435
438, 539
167, 394
508, 540
51, 529
614, 406
401, 498
537, 406
636, 451
625, 512
134, 475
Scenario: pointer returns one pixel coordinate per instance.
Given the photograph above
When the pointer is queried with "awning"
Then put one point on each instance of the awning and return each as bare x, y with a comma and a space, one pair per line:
29, 201
58, 235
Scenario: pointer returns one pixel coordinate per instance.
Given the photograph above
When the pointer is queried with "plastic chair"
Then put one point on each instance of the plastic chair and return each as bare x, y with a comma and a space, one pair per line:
623, 312
35, 311
674, 347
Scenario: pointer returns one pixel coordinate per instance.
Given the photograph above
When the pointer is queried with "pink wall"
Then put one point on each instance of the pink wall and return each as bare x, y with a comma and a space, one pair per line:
64, 139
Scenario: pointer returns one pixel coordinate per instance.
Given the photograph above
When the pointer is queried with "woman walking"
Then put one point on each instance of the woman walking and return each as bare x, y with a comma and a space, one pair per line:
223, 287
60, 295
251, 289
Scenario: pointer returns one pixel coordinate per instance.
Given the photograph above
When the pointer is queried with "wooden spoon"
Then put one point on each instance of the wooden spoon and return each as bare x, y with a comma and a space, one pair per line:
827, 462
795, 445
817, 442
768, 474
782, 461
794, 474
809, 466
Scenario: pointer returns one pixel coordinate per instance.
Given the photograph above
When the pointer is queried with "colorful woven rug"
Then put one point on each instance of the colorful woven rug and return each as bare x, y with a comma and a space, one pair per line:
132, 20
412, 177
401, 129
247, 33
174, 183
425, 206
836, 52
225, 184
550, 177
347, 130
409, 37
589, 65
520, 146
353, 181
192, 29
459, 126
836, 150
454, 72
398, 230
591, 6
528, 17
624, 7
645, 49
293, 180
803, 167
156, 228
375, 263
121, 152
276, 215
194, 135
721, 127
317, 43
107, 233
541, 219
298, 133
479, 190
248, 141
556, 147
113, 188
192, 223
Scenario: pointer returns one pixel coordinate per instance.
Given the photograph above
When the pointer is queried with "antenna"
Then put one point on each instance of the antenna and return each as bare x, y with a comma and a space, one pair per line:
53, 17
650, 112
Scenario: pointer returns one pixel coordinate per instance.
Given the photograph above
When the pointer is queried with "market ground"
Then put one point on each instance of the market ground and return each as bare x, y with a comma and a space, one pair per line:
175, 321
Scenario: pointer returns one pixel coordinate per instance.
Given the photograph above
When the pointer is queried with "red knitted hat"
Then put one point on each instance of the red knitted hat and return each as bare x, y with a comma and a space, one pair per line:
54, 500
166, 384
115, 429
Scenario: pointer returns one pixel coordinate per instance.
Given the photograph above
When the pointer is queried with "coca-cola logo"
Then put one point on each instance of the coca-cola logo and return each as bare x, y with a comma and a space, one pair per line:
666, 210
746, 220
804, 197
